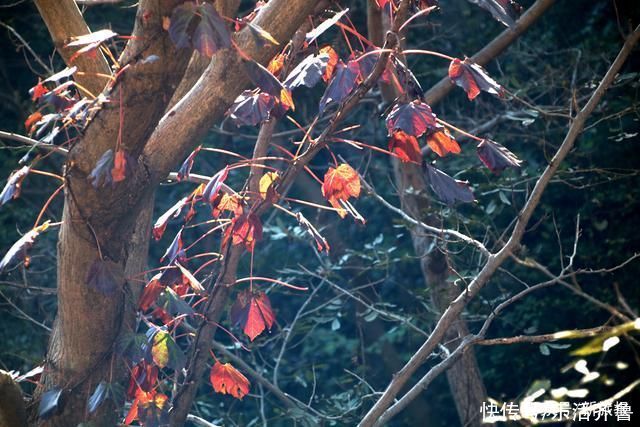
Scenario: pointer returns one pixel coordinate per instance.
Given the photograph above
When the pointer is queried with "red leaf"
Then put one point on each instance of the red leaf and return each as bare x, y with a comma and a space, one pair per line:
31, 121
14, 185
331, 63
442, 143
252, 312
246, 230
496, 157
414, 118
37, 91
151, 292
472, 78
119, 171
226, 379
405, 147
340, 184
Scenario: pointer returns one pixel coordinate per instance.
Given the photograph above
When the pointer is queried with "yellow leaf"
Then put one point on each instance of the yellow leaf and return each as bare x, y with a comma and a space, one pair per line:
266, 181
160, 349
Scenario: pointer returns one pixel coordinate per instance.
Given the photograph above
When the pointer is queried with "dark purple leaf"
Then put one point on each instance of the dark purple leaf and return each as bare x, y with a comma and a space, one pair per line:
211, 33
251, 108
504, 11
496, 157
174, 250
49, 403
408, 81
324, 26
105, 277
414, 119
212, 188
309, 72
170, 276
99, 395
101, 174
18, 251
343, 82
185, 169
175, 305
263, 78
14, 184
180, 20
447, 189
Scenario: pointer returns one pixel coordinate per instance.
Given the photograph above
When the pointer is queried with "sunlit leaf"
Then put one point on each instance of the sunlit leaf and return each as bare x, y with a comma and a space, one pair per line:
150, 293
340, 184
18, 252
154, 410
267, 82
441, 142
261, 35
276, 64
193, 282
496, 157
97, 397
30, 122
448, 190
226, 379
266, 186
161, 224
324, 26
310, 71
13, 186
472, 78
405, 147
91, 38
252, 311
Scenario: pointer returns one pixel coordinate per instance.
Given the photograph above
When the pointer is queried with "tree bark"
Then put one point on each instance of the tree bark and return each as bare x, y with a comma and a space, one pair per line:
464, 378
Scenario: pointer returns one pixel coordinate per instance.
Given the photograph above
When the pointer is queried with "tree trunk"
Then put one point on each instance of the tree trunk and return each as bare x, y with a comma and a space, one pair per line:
81, 350
465, 381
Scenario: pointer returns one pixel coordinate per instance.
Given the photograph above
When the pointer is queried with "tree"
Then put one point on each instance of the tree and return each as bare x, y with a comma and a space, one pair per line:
158, 102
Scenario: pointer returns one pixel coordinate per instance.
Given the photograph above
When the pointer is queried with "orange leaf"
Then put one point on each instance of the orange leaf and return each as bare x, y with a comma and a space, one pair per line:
340, 184
442, 143
38, 91
151, 292
246, 229
276, 64
226, 379
253, 312
331, 65
229, 203
29, 124
118, 173
405, 147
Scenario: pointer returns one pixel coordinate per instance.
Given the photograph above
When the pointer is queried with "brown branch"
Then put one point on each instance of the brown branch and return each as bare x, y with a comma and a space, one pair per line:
64, 20
494, 261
